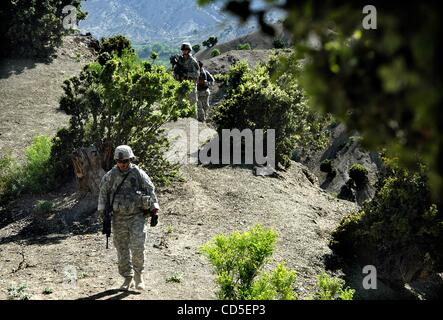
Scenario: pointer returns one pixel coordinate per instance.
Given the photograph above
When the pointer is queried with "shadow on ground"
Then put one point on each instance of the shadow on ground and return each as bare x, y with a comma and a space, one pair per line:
113, 294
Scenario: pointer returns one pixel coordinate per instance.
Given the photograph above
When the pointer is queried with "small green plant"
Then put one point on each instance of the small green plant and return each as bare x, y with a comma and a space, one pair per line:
48, 291
280, 43
244, 46
359, 174
175, 278
170, 229
326, 166
238, 260
196, 48
332, 288
215, 53
35, 175
154, 56
19, 292
44, 206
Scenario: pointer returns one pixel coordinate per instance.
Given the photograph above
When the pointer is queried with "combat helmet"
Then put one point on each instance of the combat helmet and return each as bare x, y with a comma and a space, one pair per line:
123, 153
186, 45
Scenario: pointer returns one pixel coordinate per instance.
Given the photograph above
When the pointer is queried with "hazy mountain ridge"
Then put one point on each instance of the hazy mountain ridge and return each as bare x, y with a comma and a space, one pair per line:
157, 20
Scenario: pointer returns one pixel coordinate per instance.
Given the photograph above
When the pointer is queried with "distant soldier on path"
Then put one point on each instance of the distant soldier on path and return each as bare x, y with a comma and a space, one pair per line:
187, 68
205, 80
134, 200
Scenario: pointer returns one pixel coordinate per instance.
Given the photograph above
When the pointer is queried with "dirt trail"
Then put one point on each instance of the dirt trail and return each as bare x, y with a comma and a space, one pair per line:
72, 261
209, 202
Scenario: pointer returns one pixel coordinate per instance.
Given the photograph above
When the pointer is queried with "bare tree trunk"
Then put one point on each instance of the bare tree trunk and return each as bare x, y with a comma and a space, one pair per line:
88, 166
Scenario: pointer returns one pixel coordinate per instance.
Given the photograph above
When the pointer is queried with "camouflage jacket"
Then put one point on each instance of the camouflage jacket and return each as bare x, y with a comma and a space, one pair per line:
128, 200
189, 68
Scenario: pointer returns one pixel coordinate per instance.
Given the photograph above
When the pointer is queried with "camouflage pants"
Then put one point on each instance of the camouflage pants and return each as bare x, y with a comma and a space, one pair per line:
203, 104
129, 240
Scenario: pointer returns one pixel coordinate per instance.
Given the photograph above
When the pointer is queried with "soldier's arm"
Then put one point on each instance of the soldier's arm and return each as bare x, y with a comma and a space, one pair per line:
149, 186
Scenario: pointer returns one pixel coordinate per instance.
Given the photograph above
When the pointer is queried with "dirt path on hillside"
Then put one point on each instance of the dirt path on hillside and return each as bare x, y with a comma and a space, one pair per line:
209, 202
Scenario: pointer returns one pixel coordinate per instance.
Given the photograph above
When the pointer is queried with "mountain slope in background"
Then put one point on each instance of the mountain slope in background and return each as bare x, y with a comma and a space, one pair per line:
169, 21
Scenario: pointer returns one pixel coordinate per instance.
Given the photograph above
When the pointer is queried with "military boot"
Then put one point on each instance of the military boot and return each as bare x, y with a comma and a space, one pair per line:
139, 283
127, 284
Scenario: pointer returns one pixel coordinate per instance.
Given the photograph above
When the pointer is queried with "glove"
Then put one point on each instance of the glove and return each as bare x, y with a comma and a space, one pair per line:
154, 217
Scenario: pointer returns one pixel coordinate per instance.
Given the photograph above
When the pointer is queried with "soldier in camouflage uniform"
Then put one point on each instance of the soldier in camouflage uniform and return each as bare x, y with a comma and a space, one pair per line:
130, 210
187, 68
204, 82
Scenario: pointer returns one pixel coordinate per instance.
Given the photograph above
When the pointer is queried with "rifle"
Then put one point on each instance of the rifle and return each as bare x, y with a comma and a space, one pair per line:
107, 218
179, 72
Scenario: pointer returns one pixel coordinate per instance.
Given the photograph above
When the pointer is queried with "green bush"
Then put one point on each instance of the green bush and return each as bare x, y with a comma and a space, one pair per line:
38, 171
400, 222
238, 260
212, 41
33, 28
331, 288
244, 46
122, 101
359, 174
196, 48
35, 175
326, 166
259, 99
280, 43
19, 292
44, 207
215, 53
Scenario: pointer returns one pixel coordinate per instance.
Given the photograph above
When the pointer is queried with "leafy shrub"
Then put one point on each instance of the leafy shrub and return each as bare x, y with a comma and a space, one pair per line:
326, 166
400, 222
44, 206
331, 288
238, 260
33, 28
212, 41
38, 171
116, 45
280, 43
19, 292
35, 175
122, 101
215, 53
196, 48
359, 174
244, 46
260, 99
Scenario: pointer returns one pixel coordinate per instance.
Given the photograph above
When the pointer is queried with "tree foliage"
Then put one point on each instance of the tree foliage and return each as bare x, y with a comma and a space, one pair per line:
255, 99
400, 230
212, 41
121, 100
33, 28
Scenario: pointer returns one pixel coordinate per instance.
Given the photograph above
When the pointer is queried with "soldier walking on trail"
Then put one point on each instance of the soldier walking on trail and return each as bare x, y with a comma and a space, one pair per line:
204, 81
134, 199
187, 69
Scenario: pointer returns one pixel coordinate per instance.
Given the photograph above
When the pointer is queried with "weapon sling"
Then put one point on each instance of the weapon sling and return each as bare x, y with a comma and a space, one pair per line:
112, 202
